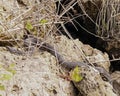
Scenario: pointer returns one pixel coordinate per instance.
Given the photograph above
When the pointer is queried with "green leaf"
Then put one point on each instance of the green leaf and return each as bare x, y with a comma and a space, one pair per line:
75, 76
2, 87
1, 66
29, 26
43, 21
12, 71
6, 76
12, 66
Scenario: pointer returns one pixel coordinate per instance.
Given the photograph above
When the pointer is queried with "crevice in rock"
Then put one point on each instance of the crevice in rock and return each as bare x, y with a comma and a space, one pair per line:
78, 22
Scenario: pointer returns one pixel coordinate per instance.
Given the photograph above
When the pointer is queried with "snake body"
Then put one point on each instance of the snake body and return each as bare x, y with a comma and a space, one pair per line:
32, 41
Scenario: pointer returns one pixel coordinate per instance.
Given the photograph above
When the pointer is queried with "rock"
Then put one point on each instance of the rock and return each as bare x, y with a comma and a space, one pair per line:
80, 52
36, 75
40, 73
116, 81
92, 83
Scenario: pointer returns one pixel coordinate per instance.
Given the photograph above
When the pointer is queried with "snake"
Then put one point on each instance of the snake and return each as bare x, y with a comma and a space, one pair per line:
33, 41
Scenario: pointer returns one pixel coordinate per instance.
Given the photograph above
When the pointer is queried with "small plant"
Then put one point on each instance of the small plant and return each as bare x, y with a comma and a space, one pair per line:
75, 76
29, 26
32, 29
43, 21
8, 73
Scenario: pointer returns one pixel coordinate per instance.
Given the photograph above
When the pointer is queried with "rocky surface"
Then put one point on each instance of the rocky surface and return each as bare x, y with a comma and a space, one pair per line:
92, 84
40, 74
36, 75
116, 81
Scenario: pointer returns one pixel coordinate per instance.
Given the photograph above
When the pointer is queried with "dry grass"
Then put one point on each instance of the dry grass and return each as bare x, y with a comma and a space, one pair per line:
15, 14
109, 20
